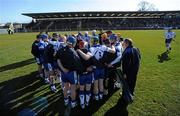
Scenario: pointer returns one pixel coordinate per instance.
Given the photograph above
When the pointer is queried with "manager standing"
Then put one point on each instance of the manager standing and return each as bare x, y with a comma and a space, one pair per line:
130, 64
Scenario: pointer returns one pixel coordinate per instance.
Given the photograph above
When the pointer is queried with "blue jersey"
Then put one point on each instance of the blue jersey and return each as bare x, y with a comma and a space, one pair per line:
50, 51
98, 51
46, 43
41, 47
38, 51
55, 44
119, 51
170, 35
87, 38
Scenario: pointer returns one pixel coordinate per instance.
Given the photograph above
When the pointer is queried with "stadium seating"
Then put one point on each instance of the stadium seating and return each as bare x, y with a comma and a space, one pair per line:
72, 21
89, 24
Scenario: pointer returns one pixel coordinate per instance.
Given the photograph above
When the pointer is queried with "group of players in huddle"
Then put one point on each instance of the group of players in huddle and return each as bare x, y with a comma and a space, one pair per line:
82, 62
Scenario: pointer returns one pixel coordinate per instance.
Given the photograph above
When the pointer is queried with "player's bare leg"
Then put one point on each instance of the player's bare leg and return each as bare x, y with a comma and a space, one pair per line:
46, 76
106, 82
96, 90
40, 71
101, 88
66, 94
51, 79
73, 95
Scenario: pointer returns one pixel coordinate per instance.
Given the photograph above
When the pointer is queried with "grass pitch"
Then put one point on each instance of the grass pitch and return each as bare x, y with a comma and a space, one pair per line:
157, 90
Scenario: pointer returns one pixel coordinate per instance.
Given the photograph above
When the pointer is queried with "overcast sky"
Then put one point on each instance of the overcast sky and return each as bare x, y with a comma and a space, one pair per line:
10, 10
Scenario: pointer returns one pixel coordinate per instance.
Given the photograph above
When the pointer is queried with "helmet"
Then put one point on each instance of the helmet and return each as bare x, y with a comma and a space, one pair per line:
93, 31
44, 36
80, 34
55, 35
71, 40
86, 32
95, 38
38, 36
113, 37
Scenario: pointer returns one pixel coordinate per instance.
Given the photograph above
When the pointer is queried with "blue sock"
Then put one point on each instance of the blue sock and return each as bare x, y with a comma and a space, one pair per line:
101, 93
81, 92
73, 101
88, 92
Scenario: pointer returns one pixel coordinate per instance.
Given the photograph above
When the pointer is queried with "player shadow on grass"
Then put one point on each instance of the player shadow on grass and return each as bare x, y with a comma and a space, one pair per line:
120, 109
29, 95
17, 65
12, 91
94, 106
20, 94
59, 108
164, 57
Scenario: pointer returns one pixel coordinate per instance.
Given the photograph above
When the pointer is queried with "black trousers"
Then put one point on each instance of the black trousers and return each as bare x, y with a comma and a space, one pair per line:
111, 74
131, 81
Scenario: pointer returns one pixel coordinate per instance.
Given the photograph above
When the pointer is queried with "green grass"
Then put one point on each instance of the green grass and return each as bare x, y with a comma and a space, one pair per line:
157, 90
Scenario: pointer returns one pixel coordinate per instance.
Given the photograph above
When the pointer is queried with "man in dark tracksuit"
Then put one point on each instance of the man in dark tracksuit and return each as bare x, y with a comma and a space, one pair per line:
130, 64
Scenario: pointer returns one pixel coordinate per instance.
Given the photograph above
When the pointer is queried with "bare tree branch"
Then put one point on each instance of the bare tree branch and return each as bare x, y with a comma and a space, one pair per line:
146, 6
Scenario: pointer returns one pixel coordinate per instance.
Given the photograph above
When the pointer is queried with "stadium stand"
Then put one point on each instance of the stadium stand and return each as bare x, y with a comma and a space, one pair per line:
70, 21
